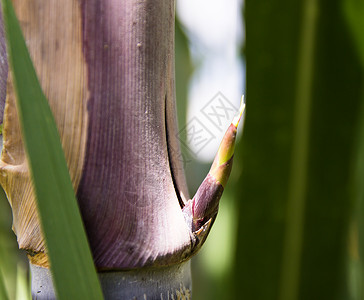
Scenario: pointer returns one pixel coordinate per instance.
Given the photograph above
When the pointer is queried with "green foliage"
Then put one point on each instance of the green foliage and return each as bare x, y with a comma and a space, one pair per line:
3, 293
72, 266
8, 247
354, 11
304, 97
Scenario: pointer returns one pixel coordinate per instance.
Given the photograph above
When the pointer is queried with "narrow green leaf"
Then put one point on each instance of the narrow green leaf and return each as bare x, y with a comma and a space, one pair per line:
354, 12
72, 267
293, 239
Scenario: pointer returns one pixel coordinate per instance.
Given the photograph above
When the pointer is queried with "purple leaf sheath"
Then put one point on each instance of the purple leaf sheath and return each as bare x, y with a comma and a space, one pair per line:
107, 69
127, 195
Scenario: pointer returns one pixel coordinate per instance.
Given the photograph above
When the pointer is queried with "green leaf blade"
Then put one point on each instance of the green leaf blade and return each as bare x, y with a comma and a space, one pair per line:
3, 292
74, 274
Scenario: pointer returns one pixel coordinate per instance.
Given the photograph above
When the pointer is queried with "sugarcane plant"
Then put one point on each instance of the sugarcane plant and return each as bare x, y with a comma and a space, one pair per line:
90, 115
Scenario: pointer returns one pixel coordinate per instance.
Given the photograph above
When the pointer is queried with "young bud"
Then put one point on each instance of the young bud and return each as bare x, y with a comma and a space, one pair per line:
204, 205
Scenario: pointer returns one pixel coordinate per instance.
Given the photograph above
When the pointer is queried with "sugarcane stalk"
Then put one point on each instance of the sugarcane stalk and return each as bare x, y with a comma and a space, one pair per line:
107, 70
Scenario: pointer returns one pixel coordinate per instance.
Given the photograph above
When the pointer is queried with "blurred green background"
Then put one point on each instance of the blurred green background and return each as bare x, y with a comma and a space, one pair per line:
290, 224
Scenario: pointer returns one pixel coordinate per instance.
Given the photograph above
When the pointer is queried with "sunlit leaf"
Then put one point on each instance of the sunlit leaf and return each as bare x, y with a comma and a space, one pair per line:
73, 271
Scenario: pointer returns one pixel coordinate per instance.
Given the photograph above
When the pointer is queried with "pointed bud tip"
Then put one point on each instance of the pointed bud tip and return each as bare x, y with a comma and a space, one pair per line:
205, 203
237, 118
